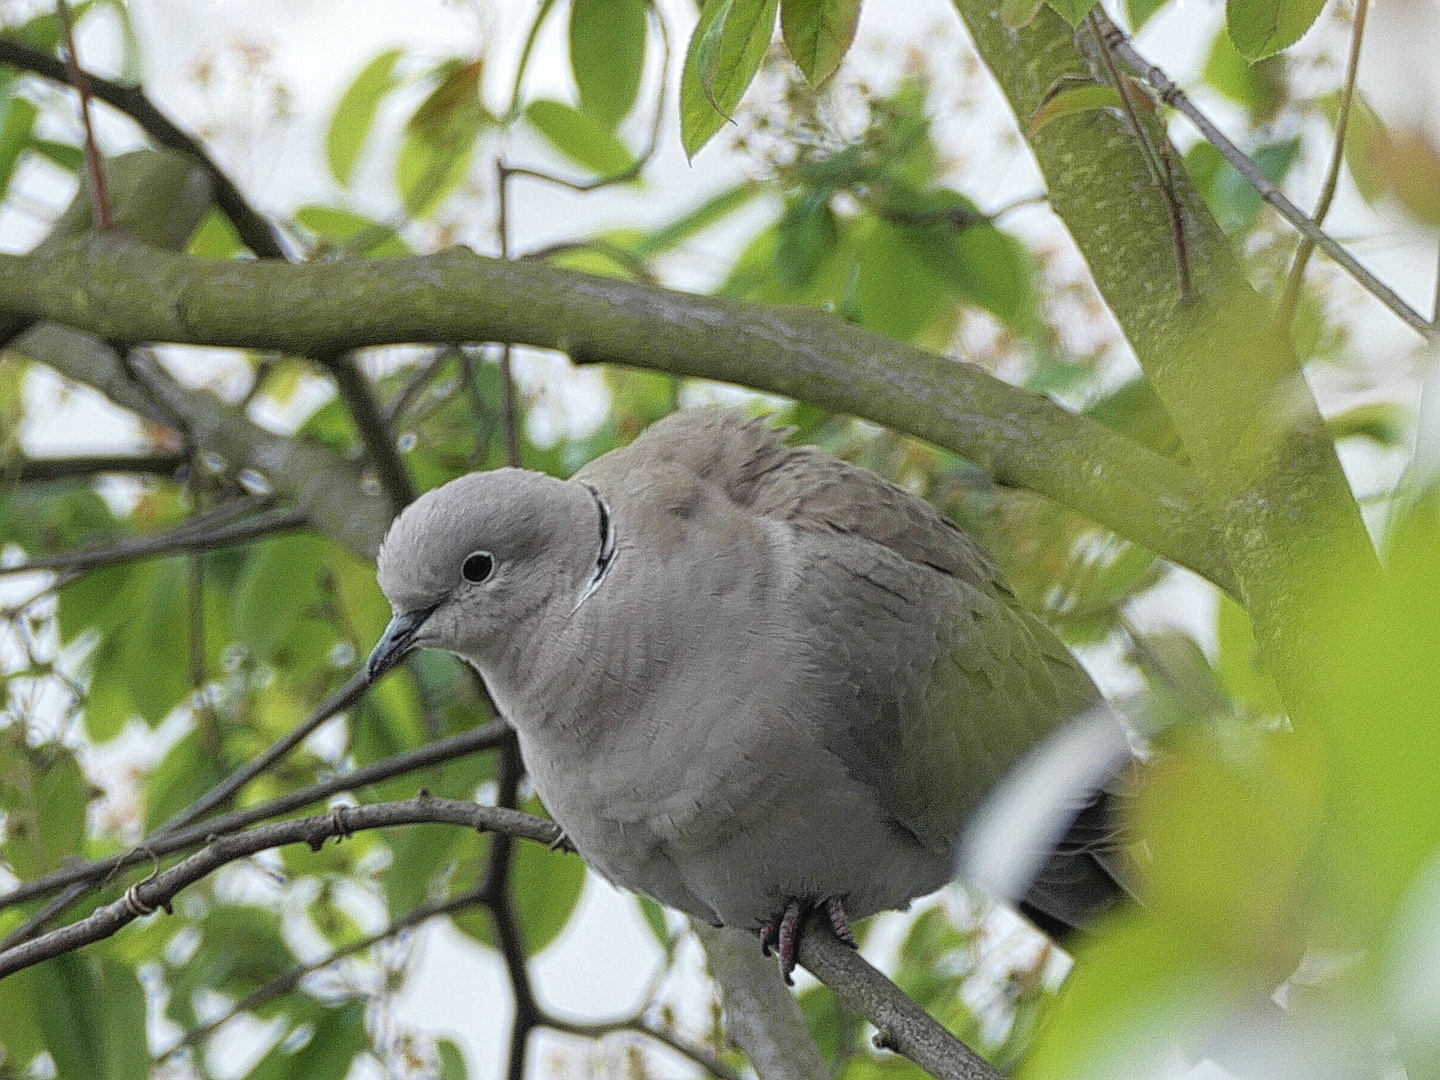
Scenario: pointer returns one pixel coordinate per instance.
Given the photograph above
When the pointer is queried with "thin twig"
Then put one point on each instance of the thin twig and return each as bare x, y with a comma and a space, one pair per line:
224, 791
183, 839
1157, 158
176, 541
1172, 95
1296, 280
417, 382
509, 409
374, 430
99, 195
283, 984
157, 891
255, 231
637, 1025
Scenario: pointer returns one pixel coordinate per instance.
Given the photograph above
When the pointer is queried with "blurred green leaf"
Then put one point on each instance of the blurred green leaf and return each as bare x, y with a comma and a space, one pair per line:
355, 115
807, 236
68, 1006
1363, 134
818, 34
1233, 199
1072, 11
580, 137
452, 1061
216, 238
44, 796
1015, 14
187, 772
607, 56
1240, 666
1381, 422
441, 136
1261, 28
1140, 12
15, 128
355, 233
338, 1035
725, 52
1261, 88
712, 210
1076, 100
280, 581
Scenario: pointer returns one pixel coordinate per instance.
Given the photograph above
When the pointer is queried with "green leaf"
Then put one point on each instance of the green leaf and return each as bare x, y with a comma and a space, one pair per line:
580, 137
1364, 135
726, 51
15, 129
216, 238
452, 1061
355, 114
1017, 13
1139, 12
1072, 11
807, 235
65, 155
70, 1011
607, 56
654, 915
280, 581
440, 137
713, 209
124, 1048
1067, 102
19, 1028
1382, 422
186, 772
339, 1034
1261, 88
1233, 200
818, 34
1261, 28
355, 233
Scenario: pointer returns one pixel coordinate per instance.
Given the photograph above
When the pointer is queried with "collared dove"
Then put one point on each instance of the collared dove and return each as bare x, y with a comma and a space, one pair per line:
748, 679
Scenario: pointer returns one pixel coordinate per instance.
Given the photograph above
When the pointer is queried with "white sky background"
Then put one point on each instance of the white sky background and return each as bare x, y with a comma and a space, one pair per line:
315, 47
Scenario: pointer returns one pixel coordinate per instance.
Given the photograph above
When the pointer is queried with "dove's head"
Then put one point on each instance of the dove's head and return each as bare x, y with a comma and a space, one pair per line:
470, 565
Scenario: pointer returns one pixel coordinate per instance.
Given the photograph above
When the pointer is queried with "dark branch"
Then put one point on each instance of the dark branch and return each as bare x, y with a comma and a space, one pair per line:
258, 234
45, 470
157, 891
182, 538
374, 430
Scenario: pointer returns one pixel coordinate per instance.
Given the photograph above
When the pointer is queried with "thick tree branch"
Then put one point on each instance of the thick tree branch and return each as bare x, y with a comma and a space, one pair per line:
159, 890
255, 231
122, 291
1231, 386
1267, 189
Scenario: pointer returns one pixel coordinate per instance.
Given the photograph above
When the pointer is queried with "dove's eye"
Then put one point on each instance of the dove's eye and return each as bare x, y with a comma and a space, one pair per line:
478, 566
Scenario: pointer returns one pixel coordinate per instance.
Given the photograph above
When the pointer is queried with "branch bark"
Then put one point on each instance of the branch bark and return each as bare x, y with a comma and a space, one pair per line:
156, 892
1230, 384
122, 291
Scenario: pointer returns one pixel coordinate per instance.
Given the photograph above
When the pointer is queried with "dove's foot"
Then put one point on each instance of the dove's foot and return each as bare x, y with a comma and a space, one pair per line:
782, 933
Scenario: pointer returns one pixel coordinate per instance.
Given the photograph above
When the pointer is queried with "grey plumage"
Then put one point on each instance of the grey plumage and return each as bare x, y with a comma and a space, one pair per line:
742, 673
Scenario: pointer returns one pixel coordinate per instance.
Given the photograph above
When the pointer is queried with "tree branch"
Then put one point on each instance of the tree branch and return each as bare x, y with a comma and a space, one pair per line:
160, 889
180, 539
1230, 385
122, 291
326, 488
374, 429
1174, 96
46, 470
257, 233
901, 1025
183, 839
762, 1016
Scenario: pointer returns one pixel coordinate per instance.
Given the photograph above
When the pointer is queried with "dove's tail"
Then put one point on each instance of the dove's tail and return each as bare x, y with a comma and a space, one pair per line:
1087, 874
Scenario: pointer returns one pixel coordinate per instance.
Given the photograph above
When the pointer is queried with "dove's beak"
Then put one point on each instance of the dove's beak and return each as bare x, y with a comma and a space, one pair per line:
398, 639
